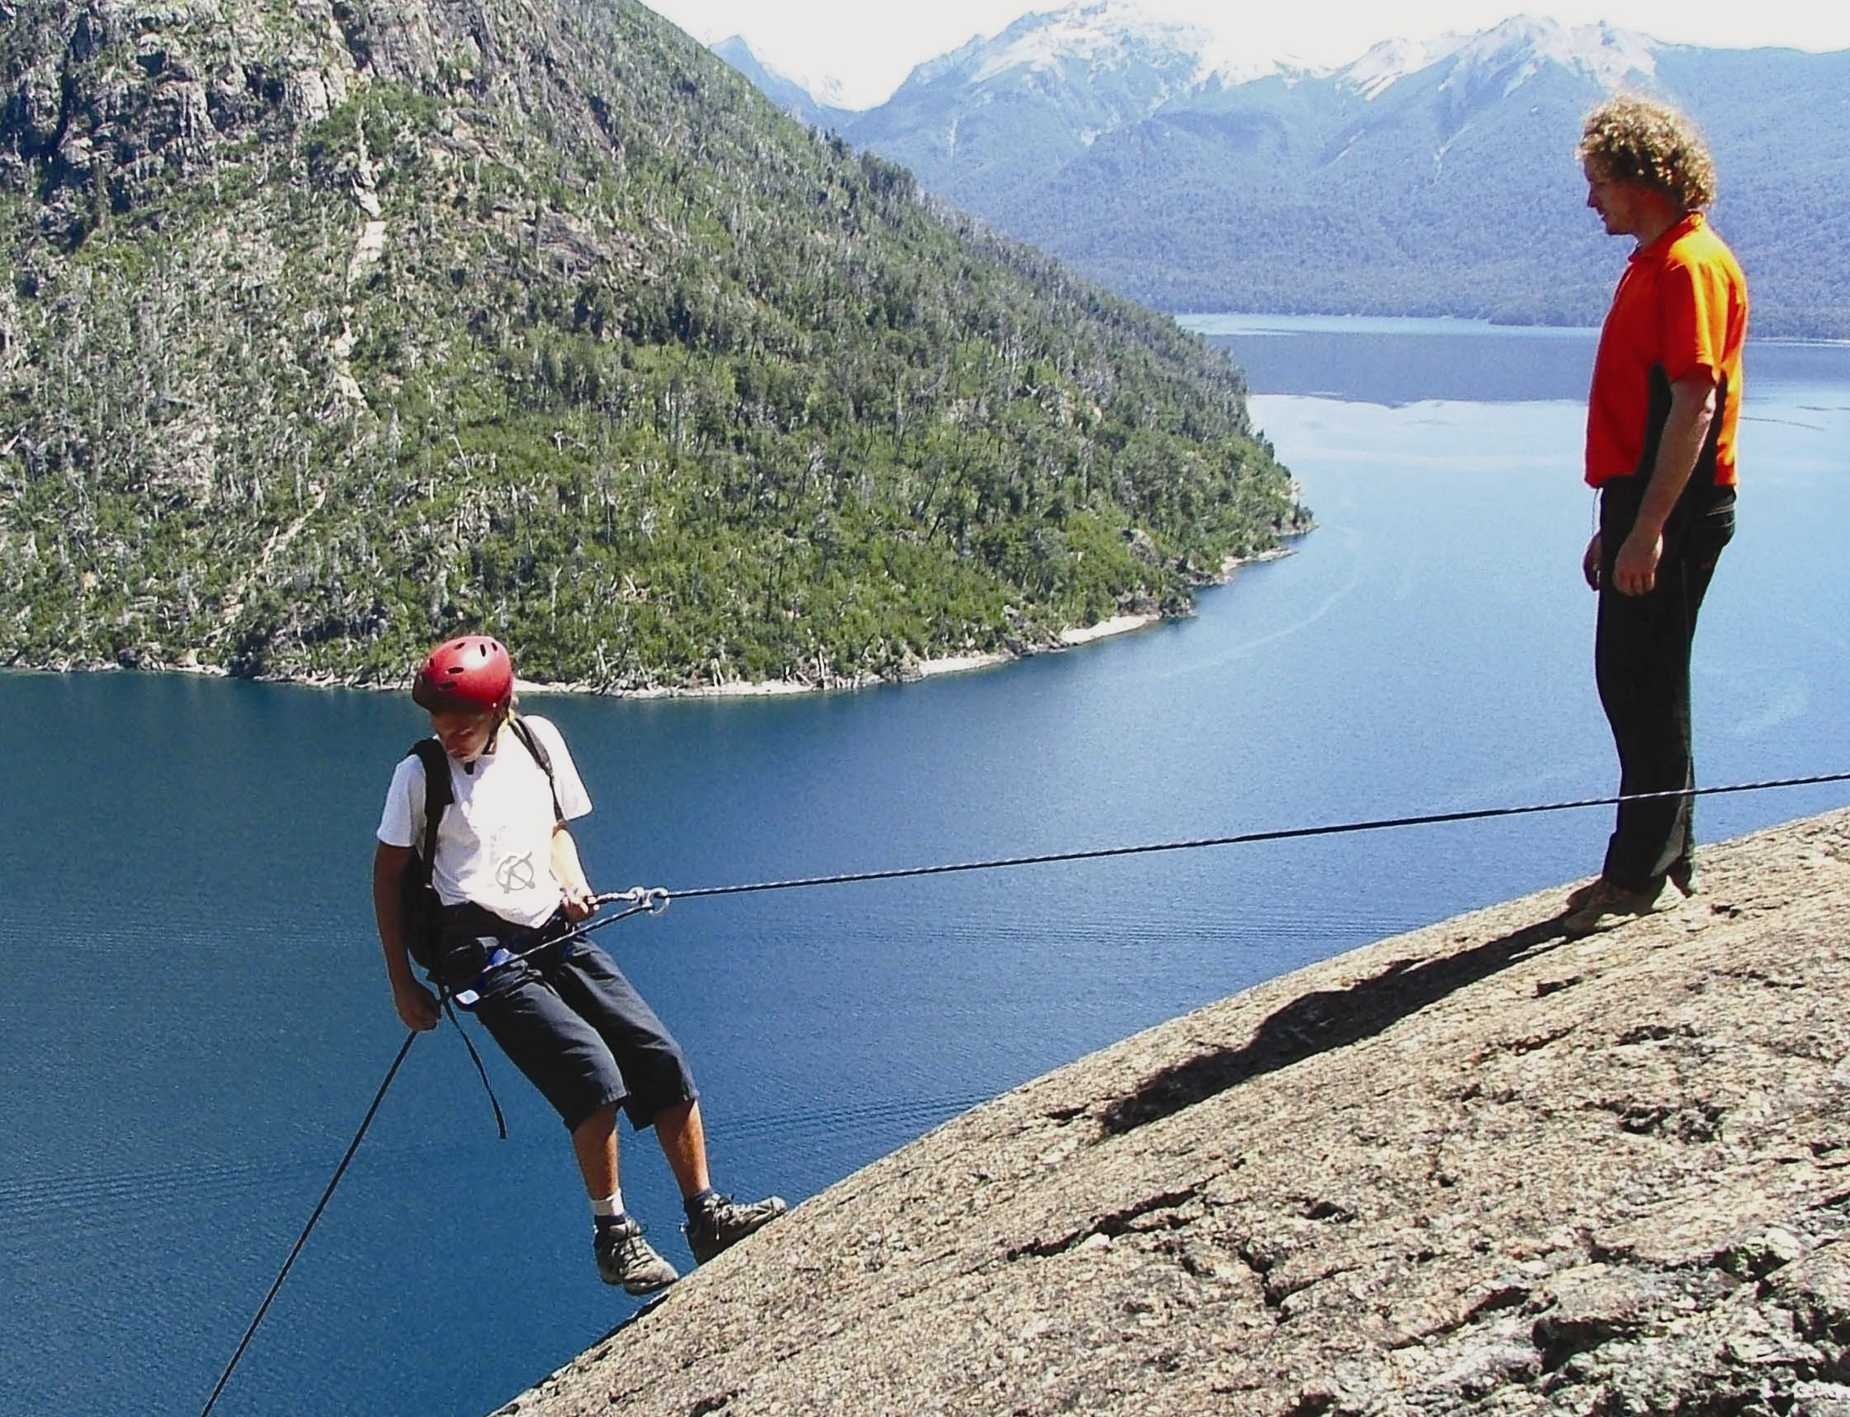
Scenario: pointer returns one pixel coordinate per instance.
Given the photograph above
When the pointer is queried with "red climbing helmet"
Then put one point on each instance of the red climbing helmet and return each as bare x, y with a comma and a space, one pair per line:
473, 674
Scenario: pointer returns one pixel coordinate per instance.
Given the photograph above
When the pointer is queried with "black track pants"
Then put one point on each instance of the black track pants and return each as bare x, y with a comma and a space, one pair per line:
1641, 660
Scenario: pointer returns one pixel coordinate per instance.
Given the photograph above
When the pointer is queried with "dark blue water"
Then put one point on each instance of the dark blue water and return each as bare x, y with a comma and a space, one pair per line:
194, 1017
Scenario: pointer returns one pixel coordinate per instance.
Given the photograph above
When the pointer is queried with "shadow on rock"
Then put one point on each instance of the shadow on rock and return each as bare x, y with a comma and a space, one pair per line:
1318, 1022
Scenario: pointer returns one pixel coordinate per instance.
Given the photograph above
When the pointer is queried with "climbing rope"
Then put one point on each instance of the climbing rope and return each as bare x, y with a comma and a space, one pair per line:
654, 900
302, 1239
659, 899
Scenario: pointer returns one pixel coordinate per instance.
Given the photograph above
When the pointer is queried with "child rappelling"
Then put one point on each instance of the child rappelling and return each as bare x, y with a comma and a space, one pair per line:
480, 813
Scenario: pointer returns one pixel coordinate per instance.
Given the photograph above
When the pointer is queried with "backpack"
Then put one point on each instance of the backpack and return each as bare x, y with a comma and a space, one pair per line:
420, 909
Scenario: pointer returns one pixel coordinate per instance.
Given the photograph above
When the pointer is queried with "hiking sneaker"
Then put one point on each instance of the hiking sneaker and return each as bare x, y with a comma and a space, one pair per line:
722, 1222
1608, 905
624, 1257
1682, 875
1580, 895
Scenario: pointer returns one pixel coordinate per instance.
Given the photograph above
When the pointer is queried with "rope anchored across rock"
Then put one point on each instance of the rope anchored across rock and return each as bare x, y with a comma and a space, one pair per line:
654, 900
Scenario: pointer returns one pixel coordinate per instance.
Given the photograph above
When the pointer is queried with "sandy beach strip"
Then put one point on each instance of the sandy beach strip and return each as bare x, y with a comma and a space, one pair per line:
926, 669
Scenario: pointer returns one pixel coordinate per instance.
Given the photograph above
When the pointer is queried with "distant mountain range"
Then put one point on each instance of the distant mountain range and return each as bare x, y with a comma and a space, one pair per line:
1429, 176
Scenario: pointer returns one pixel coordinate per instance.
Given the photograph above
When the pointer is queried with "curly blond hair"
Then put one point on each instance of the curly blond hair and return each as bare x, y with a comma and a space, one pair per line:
1633, 139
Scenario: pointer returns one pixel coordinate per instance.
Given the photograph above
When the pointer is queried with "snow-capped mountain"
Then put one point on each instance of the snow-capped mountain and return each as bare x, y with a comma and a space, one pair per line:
1000, 110
1109, 36
1428, 176
1522, 45
1393, 59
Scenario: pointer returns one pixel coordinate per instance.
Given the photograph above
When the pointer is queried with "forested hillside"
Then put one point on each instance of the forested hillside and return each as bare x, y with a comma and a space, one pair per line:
335, 328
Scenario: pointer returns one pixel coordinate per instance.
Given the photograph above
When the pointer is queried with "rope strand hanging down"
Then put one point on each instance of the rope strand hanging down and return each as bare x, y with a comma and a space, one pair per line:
302, 1239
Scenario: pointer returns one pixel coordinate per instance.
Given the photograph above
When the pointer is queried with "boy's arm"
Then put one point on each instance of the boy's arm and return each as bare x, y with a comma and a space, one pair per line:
570, 873
416, 1005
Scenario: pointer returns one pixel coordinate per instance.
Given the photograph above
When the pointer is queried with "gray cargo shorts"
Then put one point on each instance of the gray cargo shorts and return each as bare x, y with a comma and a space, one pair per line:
568, 1019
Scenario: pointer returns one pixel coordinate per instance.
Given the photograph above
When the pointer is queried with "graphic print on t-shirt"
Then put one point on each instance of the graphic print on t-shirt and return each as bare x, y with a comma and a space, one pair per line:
516, 873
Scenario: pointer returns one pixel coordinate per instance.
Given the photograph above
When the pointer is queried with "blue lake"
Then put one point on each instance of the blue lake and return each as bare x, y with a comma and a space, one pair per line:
194, 1016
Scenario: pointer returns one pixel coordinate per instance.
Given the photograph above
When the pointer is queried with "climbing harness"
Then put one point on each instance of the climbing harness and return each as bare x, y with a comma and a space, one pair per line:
653, 900
640, 899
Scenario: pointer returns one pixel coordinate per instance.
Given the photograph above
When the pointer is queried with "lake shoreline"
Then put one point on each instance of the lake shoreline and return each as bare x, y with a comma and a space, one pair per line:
1070, 638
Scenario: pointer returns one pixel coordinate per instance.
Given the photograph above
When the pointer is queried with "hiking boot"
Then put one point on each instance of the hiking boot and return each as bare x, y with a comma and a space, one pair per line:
722, 1222
624, 1257
1607, 905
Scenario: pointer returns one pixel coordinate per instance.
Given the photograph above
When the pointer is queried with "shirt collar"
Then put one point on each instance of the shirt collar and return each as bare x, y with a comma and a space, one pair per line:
1690, 221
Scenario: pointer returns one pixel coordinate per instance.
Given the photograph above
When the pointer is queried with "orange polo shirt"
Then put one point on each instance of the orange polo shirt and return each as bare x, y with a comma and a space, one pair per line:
1681, 306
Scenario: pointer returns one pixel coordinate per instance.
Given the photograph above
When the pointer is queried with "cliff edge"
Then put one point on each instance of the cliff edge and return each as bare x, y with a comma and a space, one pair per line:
1479, 1167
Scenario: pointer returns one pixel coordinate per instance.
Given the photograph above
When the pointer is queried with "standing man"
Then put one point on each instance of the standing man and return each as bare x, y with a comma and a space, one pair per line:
508, 875
1661, 420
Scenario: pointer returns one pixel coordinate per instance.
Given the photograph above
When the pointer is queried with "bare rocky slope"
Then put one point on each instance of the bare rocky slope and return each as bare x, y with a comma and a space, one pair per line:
1478, 1168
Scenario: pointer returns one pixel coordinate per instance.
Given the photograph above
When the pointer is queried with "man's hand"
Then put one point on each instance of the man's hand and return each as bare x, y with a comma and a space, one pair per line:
1635, 571
416, 1005
1686, 431
1589, 563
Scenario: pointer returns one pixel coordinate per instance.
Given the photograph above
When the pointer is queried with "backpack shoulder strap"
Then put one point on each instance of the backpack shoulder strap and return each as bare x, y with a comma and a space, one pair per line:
524, 732
438, 795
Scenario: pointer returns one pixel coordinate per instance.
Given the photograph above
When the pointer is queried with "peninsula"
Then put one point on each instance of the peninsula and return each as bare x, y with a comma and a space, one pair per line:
338, 329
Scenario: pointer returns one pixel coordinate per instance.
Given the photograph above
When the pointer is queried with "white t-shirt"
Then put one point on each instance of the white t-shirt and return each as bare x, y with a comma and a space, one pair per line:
494, 843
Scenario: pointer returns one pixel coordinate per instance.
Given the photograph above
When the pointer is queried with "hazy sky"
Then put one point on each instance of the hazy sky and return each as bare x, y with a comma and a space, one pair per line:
869, 45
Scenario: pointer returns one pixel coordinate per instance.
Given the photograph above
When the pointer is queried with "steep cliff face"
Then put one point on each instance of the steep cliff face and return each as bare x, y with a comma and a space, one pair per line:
334, 327
1478, 1168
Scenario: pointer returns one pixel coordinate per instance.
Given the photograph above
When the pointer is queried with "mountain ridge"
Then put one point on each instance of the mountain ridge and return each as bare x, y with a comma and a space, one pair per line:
817, 104
1343, 190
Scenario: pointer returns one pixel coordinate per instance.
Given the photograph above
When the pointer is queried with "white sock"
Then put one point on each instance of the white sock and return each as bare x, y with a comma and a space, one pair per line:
610, 1207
